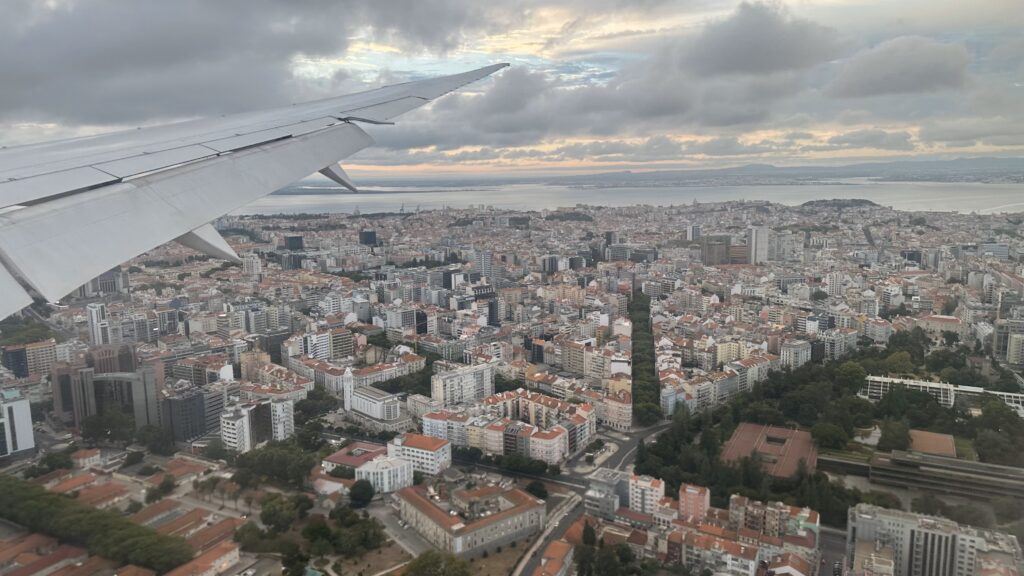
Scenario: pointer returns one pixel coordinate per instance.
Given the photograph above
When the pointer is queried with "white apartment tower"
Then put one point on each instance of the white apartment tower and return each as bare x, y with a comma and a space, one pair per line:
463, 385
645, 493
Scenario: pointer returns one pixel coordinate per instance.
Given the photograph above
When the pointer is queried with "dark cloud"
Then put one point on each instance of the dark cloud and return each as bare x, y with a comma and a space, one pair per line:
92, 61
904, 65
760, 38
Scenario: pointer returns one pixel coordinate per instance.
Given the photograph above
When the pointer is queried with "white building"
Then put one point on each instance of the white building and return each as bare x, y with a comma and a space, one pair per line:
932, 546
375, 403
463, 385
427, 455
386, 474
234, 430
757, 244
645, 493
16, 433
795, 353
247, 426
282, 419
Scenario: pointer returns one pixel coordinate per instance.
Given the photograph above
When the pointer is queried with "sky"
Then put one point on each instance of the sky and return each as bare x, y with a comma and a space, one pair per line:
594, 85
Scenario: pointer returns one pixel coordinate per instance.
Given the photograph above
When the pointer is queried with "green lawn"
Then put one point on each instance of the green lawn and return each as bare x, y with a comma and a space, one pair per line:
964, 449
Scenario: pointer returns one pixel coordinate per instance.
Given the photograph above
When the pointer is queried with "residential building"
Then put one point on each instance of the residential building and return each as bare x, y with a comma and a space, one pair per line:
427, 455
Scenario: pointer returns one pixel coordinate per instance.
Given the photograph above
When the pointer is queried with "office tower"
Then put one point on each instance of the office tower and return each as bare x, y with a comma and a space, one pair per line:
368, 237
757, 244
16, 433
97, 314
293, 243
692, 232
714, 250
611, 237
26, 360
928, 545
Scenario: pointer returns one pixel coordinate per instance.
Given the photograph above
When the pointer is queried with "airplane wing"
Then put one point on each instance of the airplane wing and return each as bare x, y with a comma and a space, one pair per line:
73, 209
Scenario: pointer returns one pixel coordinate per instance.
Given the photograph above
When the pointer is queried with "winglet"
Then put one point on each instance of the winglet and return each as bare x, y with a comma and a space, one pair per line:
337, 173
207, 240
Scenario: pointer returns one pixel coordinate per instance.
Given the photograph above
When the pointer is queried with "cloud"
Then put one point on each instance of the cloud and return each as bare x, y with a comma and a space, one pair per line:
92, 61
904, 65
759, 39
871, 138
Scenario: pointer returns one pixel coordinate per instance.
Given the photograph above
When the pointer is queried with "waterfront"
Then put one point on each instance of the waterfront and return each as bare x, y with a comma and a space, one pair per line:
932, 196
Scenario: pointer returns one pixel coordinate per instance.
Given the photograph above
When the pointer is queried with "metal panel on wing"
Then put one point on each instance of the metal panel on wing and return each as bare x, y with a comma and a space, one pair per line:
14, 192
12, 296
155, 161
261, 136
62, 244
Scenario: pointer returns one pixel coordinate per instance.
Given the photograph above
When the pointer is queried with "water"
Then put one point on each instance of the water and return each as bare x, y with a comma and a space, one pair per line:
925, 196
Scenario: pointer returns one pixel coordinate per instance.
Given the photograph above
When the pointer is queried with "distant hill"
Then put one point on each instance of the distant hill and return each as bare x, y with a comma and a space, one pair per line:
838, 203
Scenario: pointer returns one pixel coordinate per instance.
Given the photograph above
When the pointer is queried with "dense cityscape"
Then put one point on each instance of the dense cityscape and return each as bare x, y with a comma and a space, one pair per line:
740, 388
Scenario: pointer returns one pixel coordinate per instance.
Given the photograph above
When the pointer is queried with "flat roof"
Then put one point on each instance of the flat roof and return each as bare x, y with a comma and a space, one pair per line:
780, 449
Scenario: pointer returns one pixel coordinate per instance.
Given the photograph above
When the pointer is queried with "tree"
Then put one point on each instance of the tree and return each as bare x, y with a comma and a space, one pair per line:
950, 338
607, 562
303, 504
109, 426
538, 489
895, 436
103, 532
361, 493
216, 450
829, 436
589, 535
156, 440
435, 563
819, 295
647, 414
899, 363
278, 513
850, 376
585, 560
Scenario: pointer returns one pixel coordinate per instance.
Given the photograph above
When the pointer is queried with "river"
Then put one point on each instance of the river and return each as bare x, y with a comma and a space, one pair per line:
928, 196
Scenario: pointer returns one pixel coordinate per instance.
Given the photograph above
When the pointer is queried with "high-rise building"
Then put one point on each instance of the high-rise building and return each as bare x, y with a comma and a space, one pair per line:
97, 313
714, 250
757, 244
244, 427
931, 546
465, 384
26, 360
252, 267
485, 264
694, 501
645, 493
368, 237
16, 433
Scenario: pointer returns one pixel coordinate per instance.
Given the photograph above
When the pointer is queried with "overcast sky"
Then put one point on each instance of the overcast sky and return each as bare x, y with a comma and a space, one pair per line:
594, 84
